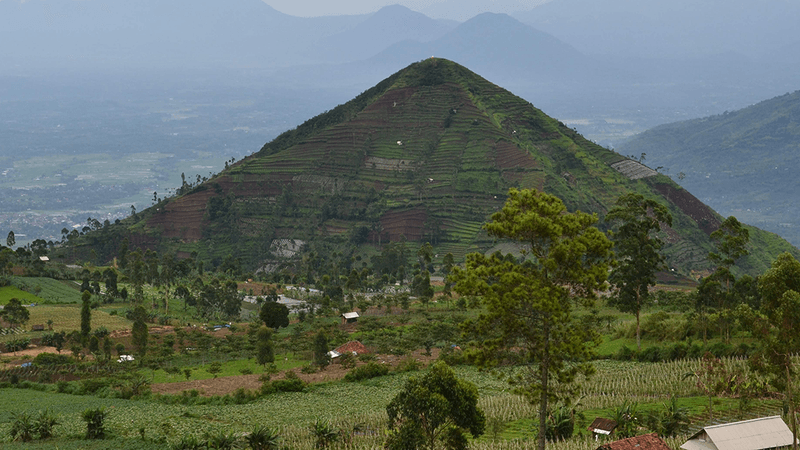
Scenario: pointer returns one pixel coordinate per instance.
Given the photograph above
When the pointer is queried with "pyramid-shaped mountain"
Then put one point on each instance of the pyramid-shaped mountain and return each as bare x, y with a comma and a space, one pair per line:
428, 155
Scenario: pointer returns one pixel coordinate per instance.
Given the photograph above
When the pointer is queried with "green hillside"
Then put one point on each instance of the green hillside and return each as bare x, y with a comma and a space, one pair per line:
743, 163
426, 155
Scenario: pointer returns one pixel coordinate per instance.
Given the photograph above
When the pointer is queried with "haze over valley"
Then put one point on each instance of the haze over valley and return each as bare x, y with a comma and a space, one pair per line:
180, 87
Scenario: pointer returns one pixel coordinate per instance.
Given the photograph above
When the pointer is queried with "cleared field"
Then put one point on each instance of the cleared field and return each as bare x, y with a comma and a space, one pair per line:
68, 318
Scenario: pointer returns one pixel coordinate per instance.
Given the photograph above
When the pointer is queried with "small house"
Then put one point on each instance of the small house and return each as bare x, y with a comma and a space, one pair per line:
602, 427
350, 317
37, 328
756, 434
644, 442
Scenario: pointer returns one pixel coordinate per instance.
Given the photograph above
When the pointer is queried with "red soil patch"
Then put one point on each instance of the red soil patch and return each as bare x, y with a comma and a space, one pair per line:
691, 206
227, 385
409, 223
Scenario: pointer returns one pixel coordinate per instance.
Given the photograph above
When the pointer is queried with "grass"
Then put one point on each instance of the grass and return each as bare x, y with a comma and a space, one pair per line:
68, 318
229, 368
9, 292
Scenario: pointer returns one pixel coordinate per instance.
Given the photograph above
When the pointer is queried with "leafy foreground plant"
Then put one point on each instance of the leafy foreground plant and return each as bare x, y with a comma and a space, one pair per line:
94, 423
24, 427
324, 434
222, 440
262, 438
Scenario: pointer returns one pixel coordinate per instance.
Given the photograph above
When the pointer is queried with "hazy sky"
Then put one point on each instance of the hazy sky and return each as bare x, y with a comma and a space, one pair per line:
435, 8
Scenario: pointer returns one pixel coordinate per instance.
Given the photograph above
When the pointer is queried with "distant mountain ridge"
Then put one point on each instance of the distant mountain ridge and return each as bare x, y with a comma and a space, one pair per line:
743, 163
388, 26
427, 154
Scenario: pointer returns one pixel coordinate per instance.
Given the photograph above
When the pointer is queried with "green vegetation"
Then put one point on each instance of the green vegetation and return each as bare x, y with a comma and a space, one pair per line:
741, 162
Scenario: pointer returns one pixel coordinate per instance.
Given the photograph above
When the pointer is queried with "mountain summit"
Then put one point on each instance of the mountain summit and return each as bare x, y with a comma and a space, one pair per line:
426, 155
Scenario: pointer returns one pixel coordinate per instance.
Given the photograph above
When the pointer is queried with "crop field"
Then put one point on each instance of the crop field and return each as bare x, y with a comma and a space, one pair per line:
292, 414
55, 291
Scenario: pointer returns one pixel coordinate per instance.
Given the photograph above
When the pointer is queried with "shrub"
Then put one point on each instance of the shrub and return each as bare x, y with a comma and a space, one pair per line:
452, 356
367, 371
52, 359
625, 354
347, 360
101, 332
408, 365
17, 344
289, 384
309, 369
650, 354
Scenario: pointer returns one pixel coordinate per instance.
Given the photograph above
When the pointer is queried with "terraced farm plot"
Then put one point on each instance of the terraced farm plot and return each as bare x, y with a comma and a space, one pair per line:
55, 291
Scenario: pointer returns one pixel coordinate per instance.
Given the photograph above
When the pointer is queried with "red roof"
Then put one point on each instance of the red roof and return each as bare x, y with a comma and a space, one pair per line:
350, 347
643, 442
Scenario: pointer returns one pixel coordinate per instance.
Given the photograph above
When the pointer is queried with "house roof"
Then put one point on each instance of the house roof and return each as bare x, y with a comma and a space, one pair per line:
602, 426
352, 347
350, 315
643, 442
755, 434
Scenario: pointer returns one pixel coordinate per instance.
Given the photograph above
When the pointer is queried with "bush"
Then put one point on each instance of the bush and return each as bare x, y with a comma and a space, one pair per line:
52, 359
408, 365
17, 344
288, 385
367, 371
650, 354
100, 332
452, 356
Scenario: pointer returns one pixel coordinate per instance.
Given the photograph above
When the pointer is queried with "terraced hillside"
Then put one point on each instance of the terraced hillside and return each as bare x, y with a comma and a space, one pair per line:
426, 155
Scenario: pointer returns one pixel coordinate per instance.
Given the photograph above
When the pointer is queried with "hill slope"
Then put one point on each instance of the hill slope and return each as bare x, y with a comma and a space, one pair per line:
742, 163
425, 155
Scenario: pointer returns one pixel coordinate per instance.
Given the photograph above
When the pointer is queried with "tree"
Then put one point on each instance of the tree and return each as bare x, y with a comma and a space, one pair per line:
265, 349
274, 315
434, 411
139, 331
321, 356
10, 240
777, 327
731, 240
14, 313
86, 315
637, 251
528, 315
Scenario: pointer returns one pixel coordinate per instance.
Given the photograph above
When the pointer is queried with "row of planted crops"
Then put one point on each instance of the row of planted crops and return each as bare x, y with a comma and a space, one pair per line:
356, 411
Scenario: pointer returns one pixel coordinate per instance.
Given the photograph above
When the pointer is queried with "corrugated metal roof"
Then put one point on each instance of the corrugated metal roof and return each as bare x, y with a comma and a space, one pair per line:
350, 315
600, 424
755, 434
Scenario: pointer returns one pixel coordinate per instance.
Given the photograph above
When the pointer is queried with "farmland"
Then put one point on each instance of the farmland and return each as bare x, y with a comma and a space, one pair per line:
293, 413
154, 420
